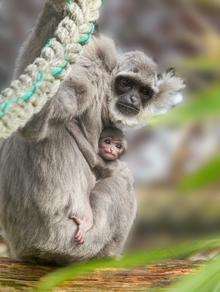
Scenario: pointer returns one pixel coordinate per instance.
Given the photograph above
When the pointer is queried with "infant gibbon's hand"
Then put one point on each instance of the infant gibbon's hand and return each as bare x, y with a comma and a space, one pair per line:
103, 172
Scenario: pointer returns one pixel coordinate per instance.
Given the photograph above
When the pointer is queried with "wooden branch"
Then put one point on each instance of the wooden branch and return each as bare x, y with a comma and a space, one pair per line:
17, 276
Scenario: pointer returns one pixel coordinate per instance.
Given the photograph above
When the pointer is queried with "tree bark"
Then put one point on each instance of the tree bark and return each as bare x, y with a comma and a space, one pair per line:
18, 276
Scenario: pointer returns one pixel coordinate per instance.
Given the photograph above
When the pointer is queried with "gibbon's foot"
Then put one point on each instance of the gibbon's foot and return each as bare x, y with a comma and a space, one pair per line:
83, 226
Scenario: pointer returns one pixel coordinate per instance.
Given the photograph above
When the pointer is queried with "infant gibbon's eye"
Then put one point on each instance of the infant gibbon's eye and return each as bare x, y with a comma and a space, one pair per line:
119, 146
107, 141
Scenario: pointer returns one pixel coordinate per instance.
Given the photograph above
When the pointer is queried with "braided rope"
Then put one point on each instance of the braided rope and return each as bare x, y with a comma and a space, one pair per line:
40, 81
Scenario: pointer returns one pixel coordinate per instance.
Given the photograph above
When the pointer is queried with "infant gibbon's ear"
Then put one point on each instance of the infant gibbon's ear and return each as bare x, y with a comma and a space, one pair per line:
169, 93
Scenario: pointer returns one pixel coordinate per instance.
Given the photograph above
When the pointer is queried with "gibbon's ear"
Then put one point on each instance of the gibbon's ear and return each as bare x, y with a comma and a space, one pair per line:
171, 71
169, 93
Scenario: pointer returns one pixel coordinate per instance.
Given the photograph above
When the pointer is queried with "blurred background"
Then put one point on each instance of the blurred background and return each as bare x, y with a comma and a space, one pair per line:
175, 159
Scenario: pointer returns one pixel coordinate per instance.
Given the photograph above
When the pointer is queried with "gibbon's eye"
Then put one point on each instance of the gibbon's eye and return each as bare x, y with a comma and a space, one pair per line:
107, 141
119, 146
147, 92
125, 83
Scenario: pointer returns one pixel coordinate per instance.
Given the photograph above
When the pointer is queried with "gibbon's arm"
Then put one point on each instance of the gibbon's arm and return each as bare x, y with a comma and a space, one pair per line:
74, 97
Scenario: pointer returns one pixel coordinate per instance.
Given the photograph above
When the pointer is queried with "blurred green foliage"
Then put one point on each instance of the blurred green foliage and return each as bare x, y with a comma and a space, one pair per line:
207, 279
208, 174
138, 259
200, 108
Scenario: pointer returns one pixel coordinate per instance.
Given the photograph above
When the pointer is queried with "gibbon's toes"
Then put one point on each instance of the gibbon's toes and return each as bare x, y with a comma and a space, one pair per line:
80, 239
78, 234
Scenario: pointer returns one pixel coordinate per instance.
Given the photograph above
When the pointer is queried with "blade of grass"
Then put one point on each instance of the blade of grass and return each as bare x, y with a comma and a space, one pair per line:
138, 259
204, 177
207, 279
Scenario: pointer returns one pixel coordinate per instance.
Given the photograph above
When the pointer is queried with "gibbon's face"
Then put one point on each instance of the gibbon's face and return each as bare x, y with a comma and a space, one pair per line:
132, 94
138, 92
111, 148
112, 144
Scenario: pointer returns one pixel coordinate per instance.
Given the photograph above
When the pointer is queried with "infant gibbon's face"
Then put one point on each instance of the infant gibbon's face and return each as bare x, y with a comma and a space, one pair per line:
112, 145
110, 148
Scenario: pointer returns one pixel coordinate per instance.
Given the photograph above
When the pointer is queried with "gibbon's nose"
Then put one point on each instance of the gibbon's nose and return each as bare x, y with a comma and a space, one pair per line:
112, 149
129, 105
133, 100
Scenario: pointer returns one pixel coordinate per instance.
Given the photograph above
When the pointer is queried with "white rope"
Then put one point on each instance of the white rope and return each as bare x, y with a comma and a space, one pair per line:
41, 80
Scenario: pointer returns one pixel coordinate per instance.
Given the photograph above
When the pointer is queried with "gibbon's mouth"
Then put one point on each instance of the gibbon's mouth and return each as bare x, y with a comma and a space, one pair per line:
127, 110
110, 156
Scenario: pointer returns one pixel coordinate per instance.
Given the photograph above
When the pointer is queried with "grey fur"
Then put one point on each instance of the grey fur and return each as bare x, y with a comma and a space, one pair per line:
96, 163
100, 167
44, 177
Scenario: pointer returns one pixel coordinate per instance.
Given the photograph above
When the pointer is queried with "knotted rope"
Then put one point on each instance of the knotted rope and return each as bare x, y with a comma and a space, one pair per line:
40, 81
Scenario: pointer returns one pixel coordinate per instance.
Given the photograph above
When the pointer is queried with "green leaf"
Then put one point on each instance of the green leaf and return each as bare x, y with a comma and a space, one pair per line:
138, 259
204, 177
207, 279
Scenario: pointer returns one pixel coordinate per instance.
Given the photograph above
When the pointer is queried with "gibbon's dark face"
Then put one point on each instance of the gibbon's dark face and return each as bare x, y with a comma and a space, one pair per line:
138, 92
134, 86
133, 95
